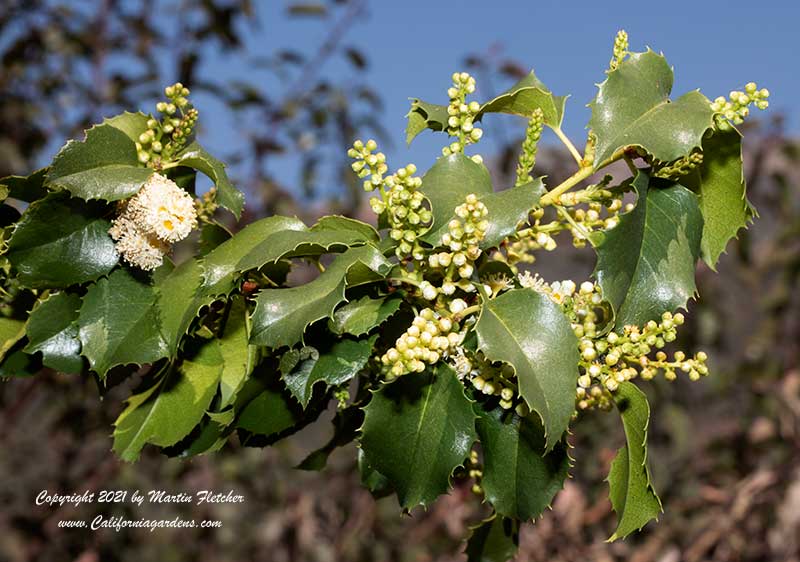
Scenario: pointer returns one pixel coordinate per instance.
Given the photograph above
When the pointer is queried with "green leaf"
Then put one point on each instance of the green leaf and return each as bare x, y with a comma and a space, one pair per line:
496, 539
416, 431
530, 332
59, 242
507, 209
17, 363
11, 331
53, 330
324, 237
632, 496
118, 323
225, 417
423, 115
26, 188
632, 108
275, 238
646, 264
371, 479
524, 97
335, 366
208, 437
365, 314
272, 413
168, 410
103, 166
228, 196
720, 186
220, 264
281, 315
184, 177
521, 99
211, 437
239, 356
211, 236
180, 296
132, 124
519, 479
347, 226
447, 184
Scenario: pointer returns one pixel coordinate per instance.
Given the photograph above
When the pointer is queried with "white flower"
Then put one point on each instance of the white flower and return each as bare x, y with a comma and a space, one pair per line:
160, 214
461, 363
533, 282
137, 248
163, 209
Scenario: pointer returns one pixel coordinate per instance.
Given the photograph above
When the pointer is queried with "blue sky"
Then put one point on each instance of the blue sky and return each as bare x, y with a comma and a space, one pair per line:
413, 46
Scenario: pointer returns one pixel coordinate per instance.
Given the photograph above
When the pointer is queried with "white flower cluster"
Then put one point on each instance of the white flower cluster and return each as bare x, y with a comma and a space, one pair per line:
159, 215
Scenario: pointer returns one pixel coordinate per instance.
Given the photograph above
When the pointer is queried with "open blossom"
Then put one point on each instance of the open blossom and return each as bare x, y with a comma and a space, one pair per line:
137, 248
160, 214
164, 209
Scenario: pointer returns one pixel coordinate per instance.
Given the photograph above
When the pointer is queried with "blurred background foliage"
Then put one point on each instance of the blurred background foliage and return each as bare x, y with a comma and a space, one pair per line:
66, 65
725, 452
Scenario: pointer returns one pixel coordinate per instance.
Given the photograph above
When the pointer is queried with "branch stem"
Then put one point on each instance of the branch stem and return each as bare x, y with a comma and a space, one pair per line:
551, 197
568, 143
469, 310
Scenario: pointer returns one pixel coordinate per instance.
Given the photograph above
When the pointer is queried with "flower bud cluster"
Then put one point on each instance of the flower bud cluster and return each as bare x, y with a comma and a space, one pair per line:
681, 167
406, 212
615, 358
527, 155
369, 166
521, 247
206, 206
465, 233
166, 137
620, 49
474, 470
430, 337
490, 379
597, 216
737, 107
582, 304
400, 200
160, 214
607, 360
602, 211
461, 115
